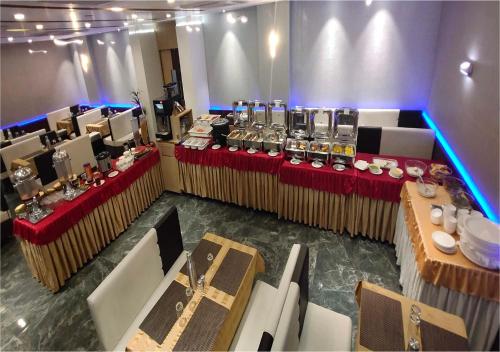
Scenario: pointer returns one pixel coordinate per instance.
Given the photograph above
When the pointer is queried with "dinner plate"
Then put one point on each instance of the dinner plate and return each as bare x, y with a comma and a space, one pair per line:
444, 242
317, 165
251, 151
396, 177
233, 149
273, 153
295, 161
113, 174
361, 165
339, 167
377, 173
216, 146
102, 182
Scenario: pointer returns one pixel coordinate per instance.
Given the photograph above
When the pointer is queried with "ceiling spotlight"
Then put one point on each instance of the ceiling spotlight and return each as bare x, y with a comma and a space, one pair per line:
244, 19
100, 42
230, 18
30, 41
189, 28
125, 24
223, 10
134, 16
60, 42
368, 2
118, 29
168, 15
140, 20
170, 1
39, 27
87, 25
19, 16
112, 43
466, 68
10, 39
37, 51
52, 37
197, 29
116, 9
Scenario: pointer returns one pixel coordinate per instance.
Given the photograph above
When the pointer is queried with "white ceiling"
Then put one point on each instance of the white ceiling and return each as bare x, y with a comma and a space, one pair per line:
65, 19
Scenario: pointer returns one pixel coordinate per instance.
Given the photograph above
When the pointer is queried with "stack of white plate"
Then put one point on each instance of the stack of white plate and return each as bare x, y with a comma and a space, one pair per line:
480, 242
444, 242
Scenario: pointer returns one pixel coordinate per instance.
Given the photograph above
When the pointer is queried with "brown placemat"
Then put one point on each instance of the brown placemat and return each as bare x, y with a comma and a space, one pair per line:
200, 256
435, 338
381, 322
231, 271
203, 327
163, 316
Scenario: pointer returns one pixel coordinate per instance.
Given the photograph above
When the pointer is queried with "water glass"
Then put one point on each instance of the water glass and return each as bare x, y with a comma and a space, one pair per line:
179, 307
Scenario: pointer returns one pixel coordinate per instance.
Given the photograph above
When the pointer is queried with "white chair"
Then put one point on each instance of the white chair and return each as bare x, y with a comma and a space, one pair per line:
80, 152
123, 300
407, 142
19, 150
28, 136
92, 116
54, 116
378, 117
120, 128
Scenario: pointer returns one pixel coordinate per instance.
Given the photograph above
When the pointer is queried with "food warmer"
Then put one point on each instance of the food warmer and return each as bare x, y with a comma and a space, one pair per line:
274, 140
257, 115
253, 140
345, 134
321, 123
28, 189
298, 126
277, 115
318, 152
240, 114
235, 138
62, 164
296, 150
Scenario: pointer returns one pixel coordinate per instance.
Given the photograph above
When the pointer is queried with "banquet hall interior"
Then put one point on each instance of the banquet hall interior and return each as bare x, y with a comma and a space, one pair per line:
249, 175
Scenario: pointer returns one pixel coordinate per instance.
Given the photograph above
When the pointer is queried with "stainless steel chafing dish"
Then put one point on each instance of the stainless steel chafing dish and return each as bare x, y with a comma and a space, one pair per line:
274, 140
296, 149
321, 123
235, 138
342, 153
298, 126
253, 140
257, 115
277, 115
318, 151
240, 114
345, 134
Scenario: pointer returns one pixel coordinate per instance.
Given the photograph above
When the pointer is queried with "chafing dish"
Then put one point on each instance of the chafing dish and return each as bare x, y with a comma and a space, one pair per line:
277, 115
298, 126
253, 140
318, 151
240, 114
296, 149
235, 138
257, 115
274, 140
345, 135
342, 153
321, 123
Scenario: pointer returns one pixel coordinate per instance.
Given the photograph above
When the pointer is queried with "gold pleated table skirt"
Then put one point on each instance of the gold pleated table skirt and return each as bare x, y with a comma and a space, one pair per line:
52, 264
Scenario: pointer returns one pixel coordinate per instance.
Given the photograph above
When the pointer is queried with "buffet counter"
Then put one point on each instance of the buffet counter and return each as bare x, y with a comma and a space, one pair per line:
76, 231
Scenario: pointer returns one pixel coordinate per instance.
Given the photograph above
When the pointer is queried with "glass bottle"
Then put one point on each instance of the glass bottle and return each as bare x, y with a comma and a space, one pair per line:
191, 271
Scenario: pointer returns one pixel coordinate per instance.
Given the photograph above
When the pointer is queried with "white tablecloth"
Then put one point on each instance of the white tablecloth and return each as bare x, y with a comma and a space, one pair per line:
481, 316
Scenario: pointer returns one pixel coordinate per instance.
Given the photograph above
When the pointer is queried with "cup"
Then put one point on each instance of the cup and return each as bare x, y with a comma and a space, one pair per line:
462, 214
449, 210
437, 216
450, 224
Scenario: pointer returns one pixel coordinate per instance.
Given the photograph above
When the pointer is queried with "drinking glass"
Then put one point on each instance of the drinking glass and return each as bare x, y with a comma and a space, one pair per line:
179, 307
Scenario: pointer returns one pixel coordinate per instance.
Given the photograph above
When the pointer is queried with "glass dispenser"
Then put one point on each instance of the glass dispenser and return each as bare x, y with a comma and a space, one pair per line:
299, 123
62, 164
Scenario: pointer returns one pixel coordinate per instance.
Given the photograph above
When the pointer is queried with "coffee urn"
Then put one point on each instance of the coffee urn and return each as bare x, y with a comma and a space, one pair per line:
62, 164
28, 188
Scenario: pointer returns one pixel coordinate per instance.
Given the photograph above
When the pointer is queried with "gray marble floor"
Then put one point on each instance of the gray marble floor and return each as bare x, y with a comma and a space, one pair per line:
32, 318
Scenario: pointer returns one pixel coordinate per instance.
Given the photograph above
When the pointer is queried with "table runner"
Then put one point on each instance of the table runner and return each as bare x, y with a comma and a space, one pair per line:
435, 338
446, 322
453, 271
68, 214
210, 321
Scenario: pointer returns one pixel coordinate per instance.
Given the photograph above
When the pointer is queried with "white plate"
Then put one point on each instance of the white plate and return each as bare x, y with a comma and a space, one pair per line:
376, 173
216, 146
396, 177
361, 165
295, 162
251, 151
317, 165
339, 167
113, 174
444, 242
233, 149
102, 182
273, 153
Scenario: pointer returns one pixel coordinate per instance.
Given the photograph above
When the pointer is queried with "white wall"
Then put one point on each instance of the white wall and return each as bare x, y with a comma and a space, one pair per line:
466, 109
345, 53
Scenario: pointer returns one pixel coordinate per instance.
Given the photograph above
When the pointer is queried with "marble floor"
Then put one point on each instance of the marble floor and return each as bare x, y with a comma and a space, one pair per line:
32, 318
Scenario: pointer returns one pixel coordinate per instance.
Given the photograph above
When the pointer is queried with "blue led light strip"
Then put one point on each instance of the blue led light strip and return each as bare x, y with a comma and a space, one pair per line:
490, 212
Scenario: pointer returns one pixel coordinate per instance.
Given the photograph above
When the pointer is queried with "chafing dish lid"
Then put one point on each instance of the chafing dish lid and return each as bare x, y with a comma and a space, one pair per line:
221, 121
22, 174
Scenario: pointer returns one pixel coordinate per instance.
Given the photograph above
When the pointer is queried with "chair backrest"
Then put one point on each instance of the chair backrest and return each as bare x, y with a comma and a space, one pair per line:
169, 238
28, 136
44, 165
80, 152
273, 317
54, 116
378, 117
368, 139
121, 125
97, 143
51, 134
407, 142
117, 301
19, 150
89, 117
287, 333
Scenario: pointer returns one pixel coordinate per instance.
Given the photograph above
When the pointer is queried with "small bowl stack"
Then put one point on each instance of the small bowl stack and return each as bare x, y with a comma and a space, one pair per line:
480, 242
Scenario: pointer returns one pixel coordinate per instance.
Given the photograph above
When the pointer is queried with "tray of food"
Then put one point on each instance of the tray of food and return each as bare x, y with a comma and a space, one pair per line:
253, 140
318, 151
343, 149
196, 143
274, 141
296, 149
235, 138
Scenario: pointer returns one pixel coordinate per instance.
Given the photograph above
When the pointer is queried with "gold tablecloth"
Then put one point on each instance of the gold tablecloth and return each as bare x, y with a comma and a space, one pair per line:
437, 317
453, 271
236, 304
101, 127
55, 262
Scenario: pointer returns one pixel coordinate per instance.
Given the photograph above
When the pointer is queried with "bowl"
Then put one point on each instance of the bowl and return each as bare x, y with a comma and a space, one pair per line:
415, 168
374, 168
427, 188
453, 184
439, 171
396, 172
461, 200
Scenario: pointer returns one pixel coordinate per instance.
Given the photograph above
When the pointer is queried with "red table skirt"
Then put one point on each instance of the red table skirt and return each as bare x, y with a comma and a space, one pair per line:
68, 214
239, 160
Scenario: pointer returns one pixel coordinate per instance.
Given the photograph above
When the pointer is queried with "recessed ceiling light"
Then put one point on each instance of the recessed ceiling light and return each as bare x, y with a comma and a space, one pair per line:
134, 16
170, 1
466, 68
168, 15
100, 42
87, 25
39, 26
52, 37
368, 2
30, 41
140, 20
118, 29
125, 24
112, 43
116, 9
19, 16
10, 39
189, 28
197, 29
244, 19
230, 18
223, 10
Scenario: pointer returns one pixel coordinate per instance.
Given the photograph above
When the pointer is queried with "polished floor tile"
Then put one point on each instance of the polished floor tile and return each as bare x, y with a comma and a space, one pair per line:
32, 318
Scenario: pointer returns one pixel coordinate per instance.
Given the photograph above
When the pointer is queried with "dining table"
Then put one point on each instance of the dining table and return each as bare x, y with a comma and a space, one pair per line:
387, 321
65, 124
102, 127
206, 318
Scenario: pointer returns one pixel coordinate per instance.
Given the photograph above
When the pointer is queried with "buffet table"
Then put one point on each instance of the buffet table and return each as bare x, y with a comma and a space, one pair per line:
449, 282
76, 231
209, 320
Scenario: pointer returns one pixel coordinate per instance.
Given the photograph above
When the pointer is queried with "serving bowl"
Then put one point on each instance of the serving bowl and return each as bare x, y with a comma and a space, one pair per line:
453, 184
426, 187
415, 168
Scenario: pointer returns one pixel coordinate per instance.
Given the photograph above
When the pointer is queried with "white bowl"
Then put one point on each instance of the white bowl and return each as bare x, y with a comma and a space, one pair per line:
482, 233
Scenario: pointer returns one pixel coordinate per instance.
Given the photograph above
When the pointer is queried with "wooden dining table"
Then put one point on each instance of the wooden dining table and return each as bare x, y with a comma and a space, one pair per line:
384, 323
210, 316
